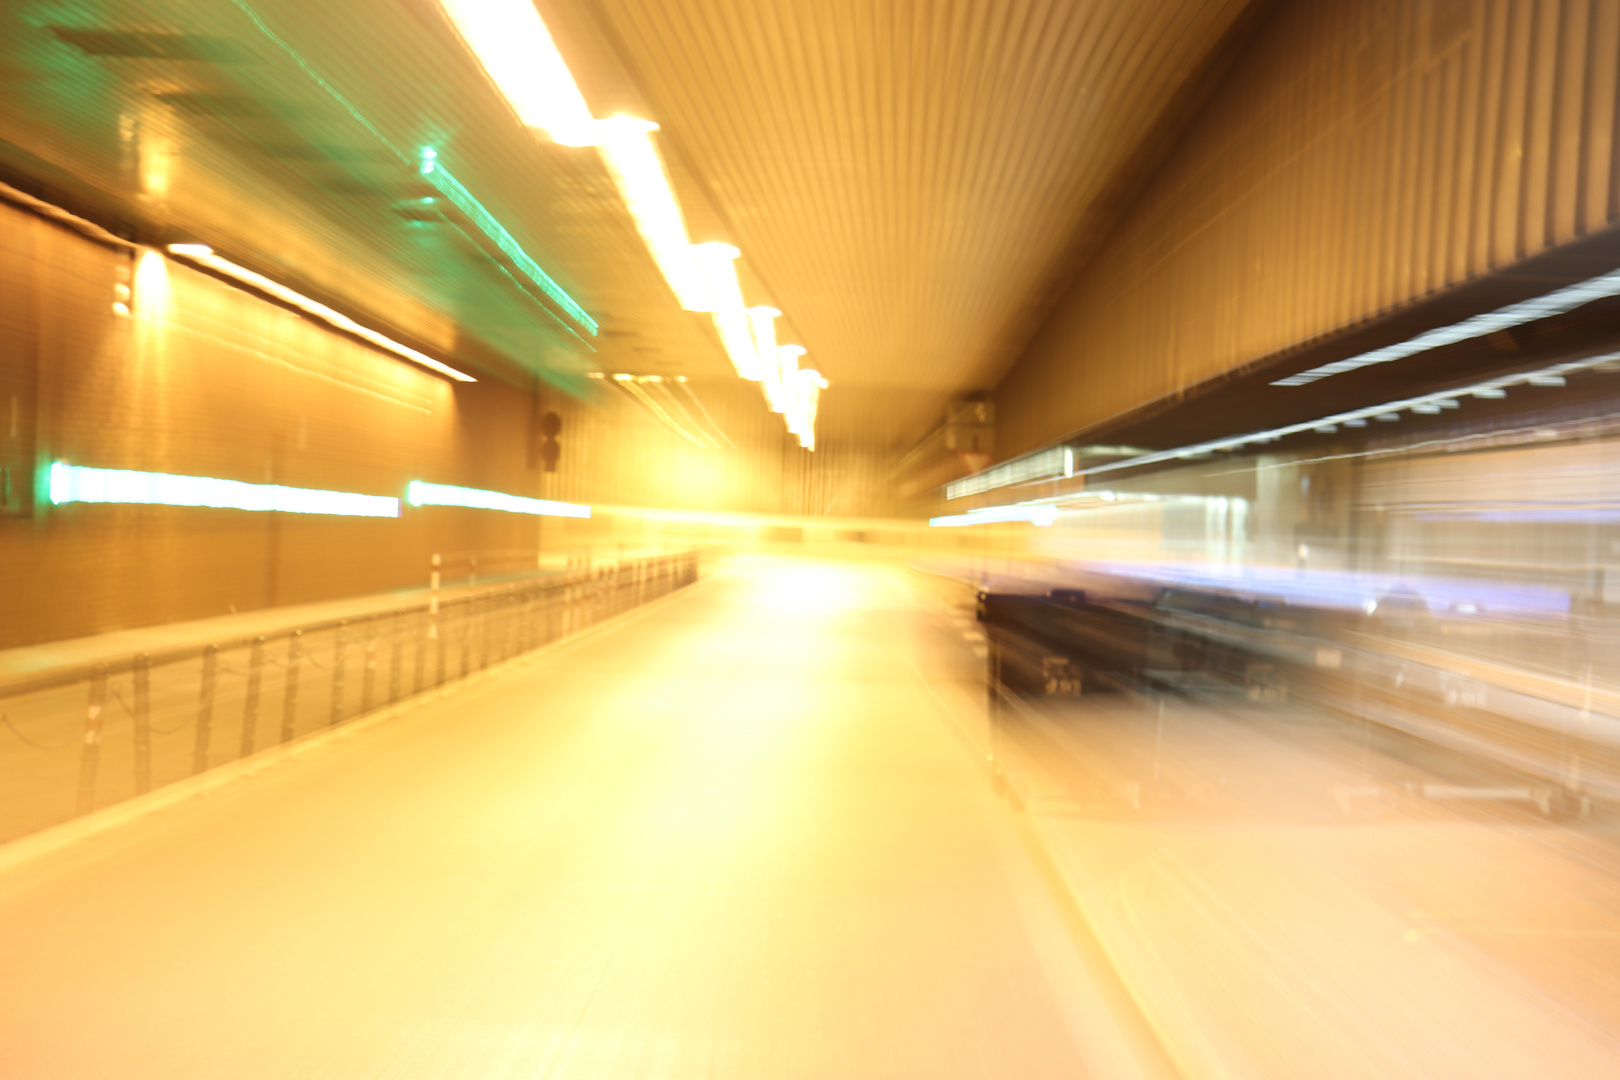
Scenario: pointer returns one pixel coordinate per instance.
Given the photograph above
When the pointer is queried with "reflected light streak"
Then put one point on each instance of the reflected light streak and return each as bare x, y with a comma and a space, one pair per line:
203, 255
990, 515
75, 483
452, 189
150, 297
418, 493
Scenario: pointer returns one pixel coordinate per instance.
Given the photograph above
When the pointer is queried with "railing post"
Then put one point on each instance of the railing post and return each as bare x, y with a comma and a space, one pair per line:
250, 705
143, 724
486, 615
340, 649
90, 757
525, 619
441, 639
368, 677
464, 633
433, 623
205, 710
289, 701
396, 655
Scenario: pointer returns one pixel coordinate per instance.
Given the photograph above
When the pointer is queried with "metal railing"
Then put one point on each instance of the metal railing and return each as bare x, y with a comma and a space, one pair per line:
81, 737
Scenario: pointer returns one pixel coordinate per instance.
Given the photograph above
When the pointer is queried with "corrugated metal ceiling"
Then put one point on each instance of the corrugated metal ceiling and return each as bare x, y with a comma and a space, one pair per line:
904, 177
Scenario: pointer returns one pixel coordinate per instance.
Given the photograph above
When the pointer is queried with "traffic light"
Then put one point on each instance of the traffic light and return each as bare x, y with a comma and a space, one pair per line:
550, 428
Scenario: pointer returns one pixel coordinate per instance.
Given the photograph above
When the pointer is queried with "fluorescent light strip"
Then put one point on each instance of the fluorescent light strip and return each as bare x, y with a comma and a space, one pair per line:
1041, 465
440, 178
203, 255
991, 515
1553, 303
418, 493
75, 483
1389, 411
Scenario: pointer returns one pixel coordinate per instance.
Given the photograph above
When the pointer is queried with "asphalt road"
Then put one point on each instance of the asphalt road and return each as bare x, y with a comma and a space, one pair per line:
736, 834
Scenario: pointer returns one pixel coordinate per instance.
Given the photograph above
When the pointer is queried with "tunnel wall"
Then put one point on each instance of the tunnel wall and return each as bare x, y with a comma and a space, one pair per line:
1362, 154
205, 379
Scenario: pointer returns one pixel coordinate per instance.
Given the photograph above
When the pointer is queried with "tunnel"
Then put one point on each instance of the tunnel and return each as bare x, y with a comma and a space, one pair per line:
810, 538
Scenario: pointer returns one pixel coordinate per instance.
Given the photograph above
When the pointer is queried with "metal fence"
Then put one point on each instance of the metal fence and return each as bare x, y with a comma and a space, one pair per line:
91, 735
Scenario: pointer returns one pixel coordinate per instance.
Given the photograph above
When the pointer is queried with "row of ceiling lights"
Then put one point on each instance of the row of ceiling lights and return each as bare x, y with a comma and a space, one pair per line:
1039, 510
511, 41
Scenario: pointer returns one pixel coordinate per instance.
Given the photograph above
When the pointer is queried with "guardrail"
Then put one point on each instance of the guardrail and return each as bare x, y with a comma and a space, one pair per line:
86, 736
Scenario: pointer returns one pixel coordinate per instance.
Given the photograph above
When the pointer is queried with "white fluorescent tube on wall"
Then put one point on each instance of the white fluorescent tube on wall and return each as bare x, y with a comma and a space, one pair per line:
511, 41
418, 493
76, 483
203, 255
627, 150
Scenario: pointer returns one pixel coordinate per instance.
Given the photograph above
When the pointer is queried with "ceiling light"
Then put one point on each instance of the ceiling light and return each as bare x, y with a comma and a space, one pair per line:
512, 43
782, 372
627, 149
762, 328
75, 483
1388, 411
418, 493
516, 50
730, 318
804, 396
203, 255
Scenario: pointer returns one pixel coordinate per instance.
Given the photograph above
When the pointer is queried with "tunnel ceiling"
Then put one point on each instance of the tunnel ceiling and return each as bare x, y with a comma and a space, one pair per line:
907, 180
